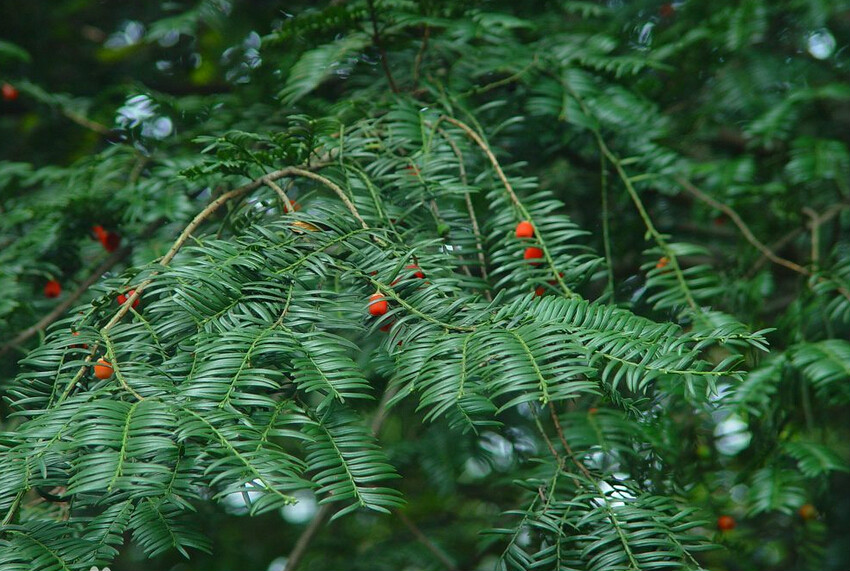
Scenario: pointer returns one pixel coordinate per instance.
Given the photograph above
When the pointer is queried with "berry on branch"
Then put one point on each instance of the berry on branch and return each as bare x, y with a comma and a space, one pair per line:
377, 304
524, 229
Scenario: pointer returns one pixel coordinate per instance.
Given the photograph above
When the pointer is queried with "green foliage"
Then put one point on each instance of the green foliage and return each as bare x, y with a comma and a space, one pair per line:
675, 350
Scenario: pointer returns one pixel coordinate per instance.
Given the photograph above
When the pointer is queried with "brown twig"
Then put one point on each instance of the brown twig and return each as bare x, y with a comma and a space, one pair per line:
526, 215
87, 123
563, 439
424, 540
283, 197
745, 230
476, 230
311, 531
376, 38
759, 245
419, 55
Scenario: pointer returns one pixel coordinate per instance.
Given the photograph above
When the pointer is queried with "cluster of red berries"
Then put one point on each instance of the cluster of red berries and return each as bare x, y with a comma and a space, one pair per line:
109, 240
525, 230
9, 92
122, 298
378, 304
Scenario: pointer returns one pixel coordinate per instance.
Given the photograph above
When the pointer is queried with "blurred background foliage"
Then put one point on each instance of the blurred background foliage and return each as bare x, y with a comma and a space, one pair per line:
115, 103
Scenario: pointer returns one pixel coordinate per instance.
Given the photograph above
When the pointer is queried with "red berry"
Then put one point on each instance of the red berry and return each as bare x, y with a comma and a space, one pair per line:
662, 262
807, 512
725, 523
295, 207
386, 326
592, 410
418, 274
412, 170
52, 289
110, 241
83, 346
667, 10
122, 299
9, 92
377, 304
524, 229
103, 369
539, 291
99, 232
532, 253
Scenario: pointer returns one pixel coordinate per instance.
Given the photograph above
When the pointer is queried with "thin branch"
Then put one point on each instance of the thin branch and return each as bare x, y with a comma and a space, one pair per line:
759, 245
417, 63
285, 199
630, 189
742, 226
476, 229
323, 513
606, 230
87, 123
511, 194
334, 187
500, 82
376, 38
564, 442
424, 540
62, 307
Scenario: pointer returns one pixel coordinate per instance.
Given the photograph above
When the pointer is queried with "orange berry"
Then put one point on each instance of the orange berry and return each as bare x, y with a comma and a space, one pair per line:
10, 93
122, 299
52, 289
524, 229
387, 326
532, 253
103, 369
725, 523
807, 512
592, 410
377, 304
99, 232
662, 262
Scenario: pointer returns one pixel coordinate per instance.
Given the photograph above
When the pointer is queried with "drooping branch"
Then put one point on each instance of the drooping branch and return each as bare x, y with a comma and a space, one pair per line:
511, 194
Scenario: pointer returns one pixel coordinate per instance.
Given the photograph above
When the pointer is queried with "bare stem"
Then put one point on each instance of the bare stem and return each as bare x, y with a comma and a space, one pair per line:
376, 38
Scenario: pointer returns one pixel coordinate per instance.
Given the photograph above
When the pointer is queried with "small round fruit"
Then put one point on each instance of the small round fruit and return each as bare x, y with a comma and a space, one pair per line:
524, 229
110, 241
418, 272
533, 253
592, 410
78, 345
122, 299
539, 291
725, 523
807, 512
103, 369
377, 304
52, 289
387, 326
10, 93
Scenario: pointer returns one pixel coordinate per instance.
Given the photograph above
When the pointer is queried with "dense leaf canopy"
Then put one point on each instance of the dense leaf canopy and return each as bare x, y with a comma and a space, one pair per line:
288, 237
